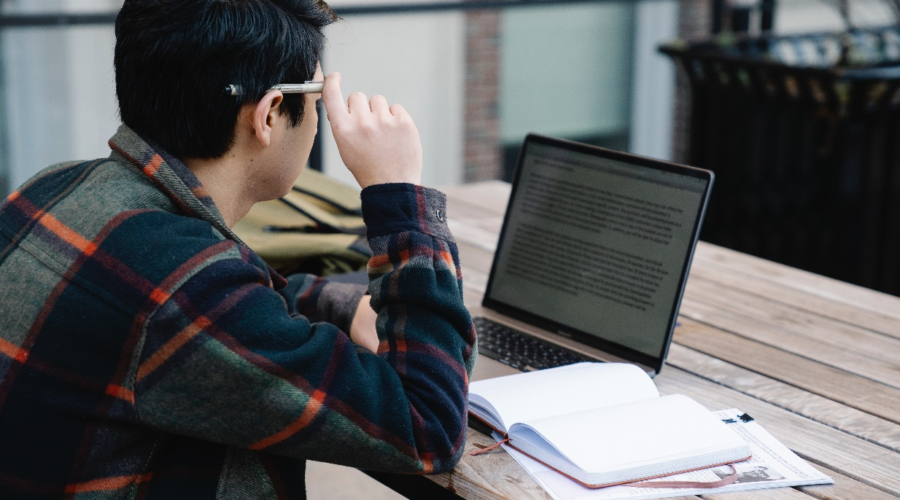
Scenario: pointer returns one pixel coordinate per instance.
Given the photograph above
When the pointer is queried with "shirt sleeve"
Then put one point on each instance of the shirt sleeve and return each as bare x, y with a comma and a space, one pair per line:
320, 299
223, 360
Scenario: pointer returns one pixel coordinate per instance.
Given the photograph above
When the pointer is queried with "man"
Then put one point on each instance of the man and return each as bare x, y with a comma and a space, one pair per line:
145, 352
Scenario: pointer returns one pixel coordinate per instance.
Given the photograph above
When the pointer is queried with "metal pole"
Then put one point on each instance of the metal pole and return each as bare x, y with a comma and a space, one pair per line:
4, 136
315, 155
767, 22
72, 19
740, 19
718, 15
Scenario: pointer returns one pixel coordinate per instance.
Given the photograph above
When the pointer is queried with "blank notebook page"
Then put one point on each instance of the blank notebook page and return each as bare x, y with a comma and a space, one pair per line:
624, 436
528, 396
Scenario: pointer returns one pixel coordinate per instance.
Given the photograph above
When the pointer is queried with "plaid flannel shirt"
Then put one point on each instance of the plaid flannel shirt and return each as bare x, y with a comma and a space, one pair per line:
146, 353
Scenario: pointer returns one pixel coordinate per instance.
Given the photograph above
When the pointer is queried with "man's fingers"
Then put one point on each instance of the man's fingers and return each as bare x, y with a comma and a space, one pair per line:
398, 111
333, 98
379, 144
358, 103
379, 105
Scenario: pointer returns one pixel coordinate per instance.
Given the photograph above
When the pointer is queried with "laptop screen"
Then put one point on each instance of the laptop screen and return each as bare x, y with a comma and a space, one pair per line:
598, 243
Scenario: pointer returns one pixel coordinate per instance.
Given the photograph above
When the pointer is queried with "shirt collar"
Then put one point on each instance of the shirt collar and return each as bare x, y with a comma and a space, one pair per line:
176, 180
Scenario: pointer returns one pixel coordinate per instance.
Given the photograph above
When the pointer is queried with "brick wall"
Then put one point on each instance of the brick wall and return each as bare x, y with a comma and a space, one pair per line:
482, 151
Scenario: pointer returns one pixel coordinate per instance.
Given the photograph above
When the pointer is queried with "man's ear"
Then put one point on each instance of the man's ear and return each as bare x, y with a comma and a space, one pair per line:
265, 115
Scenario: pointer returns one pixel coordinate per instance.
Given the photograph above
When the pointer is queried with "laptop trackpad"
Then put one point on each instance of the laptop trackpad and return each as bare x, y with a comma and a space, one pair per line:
486, 368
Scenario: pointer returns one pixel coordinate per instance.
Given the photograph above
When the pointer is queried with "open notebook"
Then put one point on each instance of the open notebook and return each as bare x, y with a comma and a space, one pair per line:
603, 423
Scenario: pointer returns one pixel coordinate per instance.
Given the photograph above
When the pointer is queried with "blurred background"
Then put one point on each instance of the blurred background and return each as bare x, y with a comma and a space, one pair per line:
479, 75
476, 81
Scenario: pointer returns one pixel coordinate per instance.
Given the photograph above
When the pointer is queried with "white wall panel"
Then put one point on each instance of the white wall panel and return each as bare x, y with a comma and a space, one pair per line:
566, 70
652, 105
416, 60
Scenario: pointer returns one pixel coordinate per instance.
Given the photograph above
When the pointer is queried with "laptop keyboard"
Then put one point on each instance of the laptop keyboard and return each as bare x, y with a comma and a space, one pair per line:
520, 350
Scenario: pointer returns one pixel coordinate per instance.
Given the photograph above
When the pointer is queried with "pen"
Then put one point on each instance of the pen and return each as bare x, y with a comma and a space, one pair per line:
310, 87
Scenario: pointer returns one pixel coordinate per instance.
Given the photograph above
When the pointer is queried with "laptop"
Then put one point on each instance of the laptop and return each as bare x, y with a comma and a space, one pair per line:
592, 259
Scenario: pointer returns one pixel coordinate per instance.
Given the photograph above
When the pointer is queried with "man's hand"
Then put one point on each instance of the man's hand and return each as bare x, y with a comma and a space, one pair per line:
379, 144
362, 329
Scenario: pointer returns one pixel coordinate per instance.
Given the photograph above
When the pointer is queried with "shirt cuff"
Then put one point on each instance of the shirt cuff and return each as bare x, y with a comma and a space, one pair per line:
394, 208
338, 302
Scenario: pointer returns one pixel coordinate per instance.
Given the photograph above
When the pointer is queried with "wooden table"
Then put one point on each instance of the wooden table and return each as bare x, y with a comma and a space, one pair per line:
814, 360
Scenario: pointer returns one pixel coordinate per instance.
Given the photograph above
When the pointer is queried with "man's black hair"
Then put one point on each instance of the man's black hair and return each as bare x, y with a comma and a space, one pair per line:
174, 59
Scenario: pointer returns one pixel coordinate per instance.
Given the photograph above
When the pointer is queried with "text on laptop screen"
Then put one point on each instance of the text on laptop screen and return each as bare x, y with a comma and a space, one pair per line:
597, 245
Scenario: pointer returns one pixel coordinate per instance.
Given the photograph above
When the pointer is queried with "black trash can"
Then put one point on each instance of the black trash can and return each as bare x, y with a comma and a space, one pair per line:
803, 133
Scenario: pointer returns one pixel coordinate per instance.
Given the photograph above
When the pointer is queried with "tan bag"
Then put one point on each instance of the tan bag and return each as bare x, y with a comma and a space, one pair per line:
317, 228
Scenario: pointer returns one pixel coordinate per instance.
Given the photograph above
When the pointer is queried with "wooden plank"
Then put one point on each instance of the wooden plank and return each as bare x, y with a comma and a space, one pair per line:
476, 264
832, 383
490, 475
883, 372
813, 284
473, 235
747, 300
844, 488
831, 342
460, 210
865, 462
492, 196
770, 494
474, 284
807, 404
475, 258
836, 309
